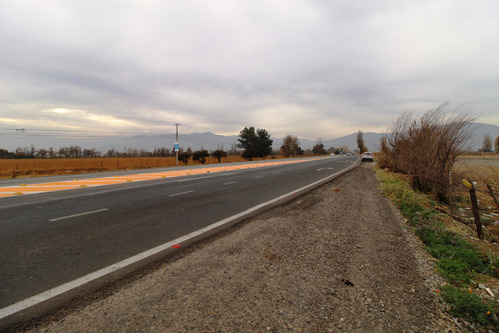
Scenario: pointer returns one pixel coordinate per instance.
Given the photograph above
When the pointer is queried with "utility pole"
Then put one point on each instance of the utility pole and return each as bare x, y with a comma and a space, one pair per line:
176, 144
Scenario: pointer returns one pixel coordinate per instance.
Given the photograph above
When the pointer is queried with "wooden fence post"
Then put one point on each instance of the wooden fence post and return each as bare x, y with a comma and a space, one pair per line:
475, 208
492, 193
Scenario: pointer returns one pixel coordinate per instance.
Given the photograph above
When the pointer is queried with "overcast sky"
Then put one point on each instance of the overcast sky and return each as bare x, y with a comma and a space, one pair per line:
315, 69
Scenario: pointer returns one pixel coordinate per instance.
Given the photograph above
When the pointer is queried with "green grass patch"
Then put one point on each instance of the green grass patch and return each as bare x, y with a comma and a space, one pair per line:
459, 261
455, 271
469, 306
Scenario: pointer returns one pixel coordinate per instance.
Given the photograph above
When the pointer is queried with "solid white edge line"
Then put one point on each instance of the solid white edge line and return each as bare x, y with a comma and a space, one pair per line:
75, 215
22, 305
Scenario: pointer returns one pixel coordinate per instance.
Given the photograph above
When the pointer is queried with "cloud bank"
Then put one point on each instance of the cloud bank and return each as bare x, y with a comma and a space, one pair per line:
308, 68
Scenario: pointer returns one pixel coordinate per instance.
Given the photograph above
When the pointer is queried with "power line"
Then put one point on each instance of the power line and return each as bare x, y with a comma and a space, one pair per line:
74, 133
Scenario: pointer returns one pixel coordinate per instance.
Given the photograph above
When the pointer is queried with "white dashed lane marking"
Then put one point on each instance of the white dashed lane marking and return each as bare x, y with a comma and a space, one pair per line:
76, 215
181, 193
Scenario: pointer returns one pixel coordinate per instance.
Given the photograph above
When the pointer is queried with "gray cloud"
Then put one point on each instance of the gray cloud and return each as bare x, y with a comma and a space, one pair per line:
313, 69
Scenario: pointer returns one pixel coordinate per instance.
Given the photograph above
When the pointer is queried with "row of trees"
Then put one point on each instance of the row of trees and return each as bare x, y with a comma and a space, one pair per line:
258, 143
254, 142
291, 147
78, 152
201, 155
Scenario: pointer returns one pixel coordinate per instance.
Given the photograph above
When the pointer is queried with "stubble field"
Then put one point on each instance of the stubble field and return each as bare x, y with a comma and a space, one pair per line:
15, 168
483, 171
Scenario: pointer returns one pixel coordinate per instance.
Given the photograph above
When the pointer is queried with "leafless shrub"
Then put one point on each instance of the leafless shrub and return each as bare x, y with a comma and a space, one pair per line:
426, 147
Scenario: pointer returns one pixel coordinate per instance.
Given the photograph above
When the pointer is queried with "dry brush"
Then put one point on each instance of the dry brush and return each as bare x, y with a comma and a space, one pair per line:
426, 147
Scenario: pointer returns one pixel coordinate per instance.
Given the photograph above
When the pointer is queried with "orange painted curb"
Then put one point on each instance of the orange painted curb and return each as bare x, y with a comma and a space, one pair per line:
7, 191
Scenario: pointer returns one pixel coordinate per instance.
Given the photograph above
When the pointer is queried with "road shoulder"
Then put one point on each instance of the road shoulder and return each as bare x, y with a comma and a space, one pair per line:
337, 259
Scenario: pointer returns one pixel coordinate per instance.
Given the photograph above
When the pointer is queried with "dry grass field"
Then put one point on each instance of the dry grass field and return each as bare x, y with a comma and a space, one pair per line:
15, 168
483, 170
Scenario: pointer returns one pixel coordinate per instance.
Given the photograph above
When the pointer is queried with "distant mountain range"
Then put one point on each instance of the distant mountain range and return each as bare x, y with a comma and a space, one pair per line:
207, 140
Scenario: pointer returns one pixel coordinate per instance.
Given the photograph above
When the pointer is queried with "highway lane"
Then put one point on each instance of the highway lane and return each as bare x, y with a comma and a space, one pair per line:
50, 239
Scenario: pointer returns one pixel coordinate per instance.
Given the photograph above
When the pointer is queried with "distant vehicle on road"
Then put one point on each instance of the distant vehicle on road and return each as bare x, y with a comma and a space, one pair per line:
367, 156
332, 154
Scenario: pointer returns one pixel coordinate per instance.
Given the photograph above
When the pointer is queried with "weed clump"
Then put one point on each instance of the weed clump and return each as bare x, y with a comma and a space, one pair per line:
459, 261
426, 147
469, 306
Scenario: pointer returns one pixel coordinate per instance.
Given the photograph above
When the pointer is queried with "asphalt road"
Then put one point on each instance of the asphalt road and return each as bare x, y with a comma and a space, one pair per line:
50, 239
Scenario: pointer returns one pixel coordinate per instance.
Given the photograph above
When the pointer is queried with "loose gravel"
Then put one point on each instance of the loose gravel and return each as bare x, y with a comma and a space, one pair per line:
338, 259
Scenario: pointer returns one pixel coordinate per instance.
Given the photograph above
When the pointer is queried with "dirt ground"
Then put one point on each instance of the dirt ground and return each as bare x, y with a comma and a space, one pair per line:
338, 259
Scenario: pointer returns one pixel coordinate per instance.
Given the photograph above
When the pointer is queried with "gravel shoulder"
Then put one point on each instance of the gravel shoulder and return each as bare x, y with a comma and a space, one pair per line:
338, 259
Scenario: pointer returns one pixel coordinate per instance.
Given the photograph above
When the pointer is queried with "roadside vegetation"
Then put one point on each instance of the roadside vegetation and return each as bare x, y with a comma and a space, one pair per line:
34, 167
426, 148
418, 172
255, 144
466, 263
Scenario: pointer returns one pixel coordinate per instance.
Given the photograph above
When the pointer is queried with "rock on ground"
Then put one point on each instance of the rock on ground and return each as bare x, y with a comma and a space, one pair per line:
338, 259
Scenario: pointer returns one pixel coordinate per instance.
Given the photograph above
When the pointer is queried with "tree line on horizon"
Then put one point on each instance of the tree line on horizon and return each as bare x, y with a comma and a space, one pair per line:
252, 143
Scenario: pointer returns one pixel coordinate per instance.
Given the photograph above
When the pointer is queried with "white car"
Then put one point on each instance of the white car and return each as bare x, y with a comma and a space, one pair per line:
367, 156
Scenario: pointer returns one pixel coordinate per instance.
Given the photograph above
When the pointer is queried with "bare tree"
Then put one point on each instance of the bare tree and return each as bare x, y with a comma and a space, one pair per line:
319, 148
426, 147
290, 146
42, 153
487, 143
360, 142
